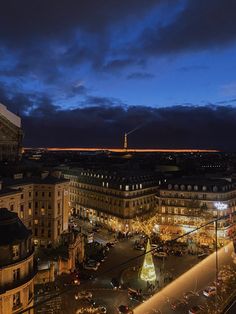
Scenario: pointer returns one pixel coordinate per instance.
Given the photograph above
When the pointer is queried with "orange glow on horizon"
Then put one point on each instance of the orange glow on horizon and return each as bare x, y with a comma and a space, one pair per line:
129, 150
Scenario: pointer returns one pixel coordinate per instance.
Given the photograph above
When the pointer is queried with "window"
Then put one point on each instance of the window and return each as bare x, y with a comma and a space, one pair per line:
36, 193
42, 193
30, 205
36, 204
29, 194
36, 232
12, 207
16, 274
126, 188
16, 300
15, 252
49, 194
22, 196
49, 233
22, 207
49, 206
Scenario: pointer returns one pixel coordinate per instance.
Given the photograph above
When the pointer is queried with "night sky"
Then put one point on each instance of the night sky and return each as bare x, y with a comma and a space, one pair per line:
81, 73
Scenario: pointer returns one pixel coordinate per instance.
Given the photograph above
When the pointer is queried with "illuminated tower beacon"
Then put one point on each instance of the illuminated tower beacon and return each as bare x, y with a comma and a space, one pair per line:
126, 142
17, 267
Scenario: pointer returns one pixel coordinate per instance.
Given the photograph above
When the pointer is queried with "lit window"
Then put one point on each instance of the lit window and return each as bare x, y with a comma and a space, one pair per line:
126, 188
36, 221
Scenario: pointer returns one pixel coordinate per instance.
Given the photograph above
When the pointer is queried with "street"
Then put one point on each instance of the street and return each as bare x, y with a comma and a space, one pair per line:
192, 275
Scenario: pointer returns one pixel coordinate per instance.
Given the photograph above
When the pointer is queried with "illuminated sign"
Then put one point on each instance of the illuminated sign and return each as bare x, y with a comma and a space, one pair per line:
220, 206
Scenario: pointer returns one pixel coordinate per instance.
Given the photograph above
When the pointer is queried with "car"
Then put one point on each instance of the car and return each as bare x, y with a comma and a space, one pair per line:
91, 266
110, 244
85, 276
92, 262
115, 283
135, 296
139, 247
178, 305
209, 291
196, 309
178, 253
160, 254
190, 294
101, 310
83, 295
124, 309
202, 255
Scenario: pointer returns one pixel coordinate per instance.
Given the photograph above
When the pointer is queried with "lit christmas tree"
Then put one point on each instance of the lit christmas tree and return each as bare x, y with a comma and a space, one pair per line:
148, 272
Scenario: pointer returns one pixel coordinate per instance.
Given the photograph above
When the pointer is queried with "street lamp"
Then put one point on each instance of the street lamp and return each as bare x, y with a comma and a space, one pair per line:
219, 207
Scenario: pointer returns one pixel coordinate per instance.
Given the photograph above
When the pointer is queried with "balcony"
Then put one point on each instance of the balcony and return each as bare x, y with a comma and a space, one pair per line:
21, 281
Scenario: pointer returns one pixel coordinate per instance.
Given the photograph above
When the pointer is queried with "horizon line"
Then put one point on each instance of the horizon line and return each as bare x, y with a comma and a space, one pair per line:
122, 150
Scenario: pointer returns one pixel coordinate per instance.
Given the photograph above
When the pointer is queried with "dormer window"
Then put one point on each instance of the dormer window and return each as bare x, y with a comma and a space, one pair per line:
189, 187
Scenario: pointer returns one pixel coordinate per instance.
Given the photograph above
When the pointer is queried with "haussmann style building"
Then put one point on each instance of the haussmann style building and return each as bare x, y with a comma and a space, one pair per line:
42, 203
11, 135
113, 199
186, 203
17, 265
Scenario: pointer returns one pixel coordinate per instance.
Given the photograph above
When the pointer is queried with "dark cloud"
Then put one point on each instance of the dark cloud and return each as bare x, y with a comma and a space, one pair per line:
28, 20
201, 24
140, 76
103, 125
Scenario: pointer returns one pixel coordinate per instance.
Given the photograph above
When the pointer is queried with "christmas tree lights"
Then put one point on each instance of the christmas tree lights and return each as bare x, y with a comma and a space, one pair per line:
148, 272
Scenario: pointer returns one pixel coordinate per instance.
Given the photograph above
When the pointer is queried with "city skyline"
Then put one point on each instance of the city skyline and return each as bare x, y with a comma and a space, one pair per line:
82, 74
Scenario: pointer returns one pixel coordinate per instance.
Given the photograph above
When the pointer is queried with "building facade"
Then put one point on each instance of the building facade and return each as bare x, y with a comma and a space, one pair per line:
17, 265
42, 203
110, 198
184, 204
11, 135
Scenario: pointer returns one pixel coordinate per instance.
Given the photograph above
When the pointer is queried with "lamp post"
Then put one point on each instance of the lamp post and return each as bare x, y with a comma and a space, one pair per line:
219, 207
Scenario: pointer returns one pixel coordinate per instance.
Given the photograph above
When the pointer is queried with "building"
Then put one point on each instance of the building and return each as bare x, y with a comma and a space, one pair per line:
17, 265
42, 203
113, 199
11, 135
185, 203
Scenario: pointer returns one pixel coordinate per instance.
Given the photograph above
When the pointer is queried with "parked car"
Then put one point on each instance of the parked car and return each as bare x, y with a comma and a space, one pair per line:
160, 254
209, 291
134, 295
115, 283
196, 309
202, 255
139, 247
124, 309
91, 265
190, 294
85, 276
101, 310
83, 295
